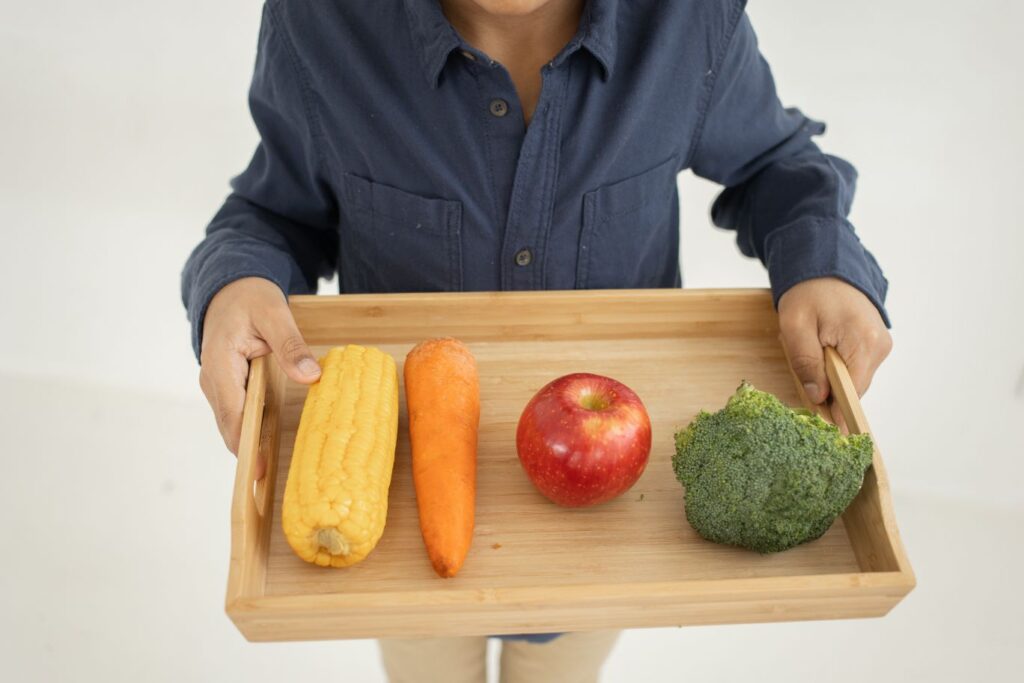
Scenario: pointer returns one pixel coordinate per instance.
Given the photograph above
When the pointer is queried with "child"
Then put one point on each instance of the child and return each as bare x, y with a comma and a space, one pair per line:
426, 145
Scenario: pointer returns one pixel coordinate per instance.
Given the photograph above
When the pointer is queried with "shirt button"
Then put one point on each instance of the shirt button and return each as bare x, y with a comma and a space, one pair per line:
469, 55
524, 257
499, 107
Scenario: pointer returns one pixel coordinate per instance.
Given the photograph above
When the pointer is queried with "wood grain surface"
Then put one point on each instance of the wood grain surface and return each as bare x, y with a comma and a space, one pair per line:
534, 566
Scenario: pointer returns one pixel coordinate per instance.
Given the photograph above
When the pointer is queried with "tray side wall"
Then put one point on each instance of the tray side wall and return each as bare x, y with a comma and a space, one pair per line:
590, 314
870, 519
843, 597
252, 501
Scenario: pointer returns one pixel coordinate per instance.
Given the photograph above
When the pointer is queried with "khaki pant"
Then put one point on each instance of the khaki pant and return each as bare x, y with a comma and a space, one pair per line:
570, 658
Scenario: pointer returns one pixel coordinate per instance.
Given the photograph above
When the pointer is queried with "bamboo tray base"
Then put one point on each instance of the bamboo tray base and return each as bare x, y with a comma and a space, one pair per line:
536, 567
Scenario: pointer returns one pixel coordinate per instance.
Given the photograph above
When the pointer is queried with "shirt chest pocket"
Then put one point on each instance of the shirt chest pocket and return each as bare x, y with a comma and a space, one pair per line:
397, 241
630, 236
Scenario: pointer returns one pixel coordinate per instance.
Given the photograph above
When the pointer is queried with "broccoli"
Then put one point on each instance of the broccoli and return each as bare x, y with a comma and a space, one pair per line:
765, 477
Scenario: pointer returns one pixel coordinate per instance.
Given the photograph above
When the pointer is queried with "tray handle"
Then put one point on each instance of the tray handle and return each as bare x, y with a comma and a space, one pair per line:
844, 393
870, 522
250, 500
250, 495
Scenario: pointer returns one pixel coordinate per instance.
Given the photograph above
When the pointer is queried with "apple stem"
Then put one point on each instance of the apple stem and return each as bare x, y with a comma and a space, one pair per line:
594, 401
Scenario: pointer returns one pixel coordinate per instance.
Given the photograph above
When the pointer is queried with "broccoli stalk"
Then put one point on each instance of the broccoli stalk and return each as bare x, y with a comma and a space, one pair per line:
762, 476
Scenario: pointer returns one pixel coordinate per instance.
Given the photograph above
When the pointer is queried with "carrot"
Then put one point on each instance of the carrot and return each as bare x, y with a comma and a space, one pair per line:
443, 397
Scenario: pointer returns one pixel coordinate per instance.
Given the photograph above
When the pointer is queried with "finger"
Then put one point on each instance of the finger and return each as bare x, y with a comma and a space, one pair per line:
806, 355
837, 417
223, 380
279, 330
863, 350
229, 412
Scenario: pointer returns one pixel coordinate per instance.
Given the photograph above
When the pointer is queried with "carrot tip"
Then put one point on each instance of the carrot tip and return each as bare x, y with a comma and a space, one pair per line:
445, 570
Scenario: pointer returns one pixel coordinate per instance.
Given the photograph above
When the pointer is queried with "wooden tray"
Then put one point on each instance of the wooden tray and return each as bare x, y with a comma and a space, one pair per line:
535, 567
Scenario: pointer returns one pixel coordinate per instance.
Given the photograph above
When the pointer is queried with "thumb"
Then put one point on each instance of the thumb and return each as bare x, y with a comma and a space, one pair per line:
806, 357
281, 333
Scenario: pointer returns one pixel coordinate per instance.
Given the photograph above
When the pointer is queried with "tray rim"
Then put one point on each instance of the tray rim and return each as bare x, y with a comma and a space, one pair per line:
253, 611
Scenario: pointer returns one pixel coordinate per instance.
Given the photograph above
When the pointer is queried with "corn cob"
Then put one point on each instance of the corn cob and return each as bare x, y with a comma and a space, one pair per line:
336, 498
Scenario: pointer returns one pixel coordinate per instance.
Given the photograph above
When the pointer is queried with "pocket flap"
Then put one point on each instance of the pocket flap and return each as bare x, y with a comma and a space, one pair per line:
625, 195
437, 216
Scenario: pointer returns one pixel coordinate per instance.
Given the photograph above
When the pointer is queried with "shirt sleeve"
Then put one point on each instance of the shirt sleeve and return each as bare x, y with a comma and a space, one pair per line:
280, 219
787, 201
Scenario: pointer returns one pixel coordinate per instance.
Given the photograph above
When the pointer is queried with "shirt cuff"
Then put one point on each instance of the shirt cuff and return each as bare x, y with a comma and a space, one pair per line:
204, 277
823, 247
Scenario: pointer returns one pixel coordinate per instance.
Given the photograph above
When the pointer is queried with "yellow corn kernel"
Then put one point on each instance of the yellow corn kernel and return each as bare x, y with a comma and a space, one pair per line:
336, 498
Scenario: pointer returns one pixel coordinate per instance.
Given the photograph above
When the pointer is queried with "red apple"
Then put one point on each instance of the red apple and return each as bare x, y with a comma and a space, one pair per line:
584, 439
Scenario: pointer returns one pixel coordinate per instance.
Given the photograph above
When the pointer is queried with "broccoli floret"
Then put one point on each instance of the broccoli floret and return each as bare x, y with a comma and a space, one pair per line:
765, 477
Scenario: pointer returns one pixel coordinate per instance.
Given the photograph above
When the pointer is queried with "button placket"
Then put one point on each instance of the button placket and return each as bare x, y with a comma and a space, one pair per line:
526, 185
503, 137
532, 200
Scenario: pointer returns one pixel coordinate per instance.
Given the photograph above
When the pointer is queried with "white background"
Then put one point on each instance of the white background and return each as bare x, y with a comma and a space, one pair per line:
120, 124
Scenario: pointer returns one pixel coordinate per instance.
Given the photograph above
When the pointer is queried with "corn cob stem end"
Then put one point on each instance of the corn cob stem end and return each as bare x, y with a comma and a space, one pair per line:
332, 541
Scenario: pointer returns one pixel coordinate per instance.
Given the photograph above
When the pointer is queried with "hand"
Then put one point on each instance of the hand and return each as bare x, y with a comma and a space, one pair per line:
829, 312
247, 319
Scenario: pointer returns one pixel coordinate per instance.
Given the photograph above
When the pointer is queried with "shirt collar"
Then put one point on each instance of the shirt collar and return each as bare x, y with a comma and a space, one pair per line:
598, 32
436, 39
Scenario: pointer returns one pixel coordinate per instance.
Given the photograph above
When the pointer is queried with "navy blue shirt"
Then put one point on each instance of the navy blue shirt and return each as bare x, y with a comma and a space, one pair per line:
396, 154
